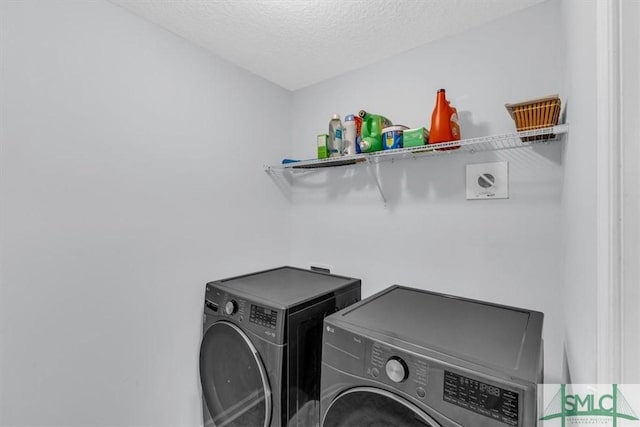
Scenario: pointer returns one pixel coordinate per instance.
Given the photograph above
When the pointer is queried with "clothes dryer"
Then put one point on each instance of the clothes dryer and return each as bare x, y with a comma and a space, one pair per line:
407, 357
261, 346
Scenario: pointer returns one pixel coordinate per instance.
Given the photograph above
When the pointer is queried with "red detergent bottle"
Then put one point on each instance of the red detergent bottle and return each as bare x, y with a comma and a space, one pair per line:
444, 126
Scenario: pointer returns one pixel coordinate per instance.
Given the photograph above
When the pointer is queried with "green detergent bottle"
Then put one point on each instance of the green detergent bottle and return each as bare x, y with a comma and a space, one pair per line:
372, 125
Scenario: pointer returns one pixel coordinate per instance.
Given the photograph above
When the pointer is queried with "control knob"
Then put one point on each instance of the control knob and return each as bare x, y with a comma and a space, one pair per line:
396, 369
231, 307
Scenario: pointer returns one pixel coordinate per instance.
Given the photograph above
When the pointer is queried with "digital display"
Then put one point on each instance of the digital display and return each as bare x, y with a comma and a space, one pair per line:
489, 389
263, 316
482, 398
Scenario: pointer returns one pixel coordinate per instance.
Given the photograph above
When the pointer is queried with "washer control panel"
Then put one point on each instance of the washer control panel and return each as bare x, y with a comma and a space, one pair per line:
482, 398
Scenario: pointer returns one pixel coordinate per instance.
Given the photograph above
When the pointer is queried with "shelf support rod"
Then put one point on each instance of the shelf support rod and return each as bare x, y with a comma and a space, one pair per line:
374, 175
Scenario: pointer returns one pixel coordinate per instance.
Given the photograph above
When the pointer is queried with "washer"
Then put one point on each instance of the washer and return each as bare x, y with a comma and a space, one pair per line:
261, 345
408, 357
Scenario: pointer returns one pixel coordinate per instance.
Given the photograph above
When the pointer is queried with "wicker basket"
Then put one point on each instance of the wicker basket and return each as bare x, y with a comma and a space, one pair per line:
536, 114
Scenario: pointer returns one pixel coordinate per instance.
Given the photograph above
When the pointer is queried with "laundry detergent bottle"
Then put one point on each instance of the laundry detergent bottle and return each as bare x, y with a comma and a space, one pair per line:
444, 121
371, 131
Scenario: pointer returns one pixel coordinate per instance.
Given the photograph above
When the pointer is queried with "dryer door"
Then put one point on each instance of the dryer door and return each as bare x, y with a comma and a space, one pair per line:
368, 406
234, 381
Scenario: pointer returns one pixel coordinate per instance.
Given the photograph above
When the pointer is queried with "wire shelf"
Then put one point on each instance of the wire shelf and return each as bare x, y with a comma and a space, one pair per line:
486, 143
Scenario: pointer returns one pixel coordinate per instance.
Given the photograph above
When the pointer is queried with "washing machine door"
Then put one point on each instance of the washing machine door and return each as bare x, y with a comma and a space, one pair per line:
368, 406
234, 381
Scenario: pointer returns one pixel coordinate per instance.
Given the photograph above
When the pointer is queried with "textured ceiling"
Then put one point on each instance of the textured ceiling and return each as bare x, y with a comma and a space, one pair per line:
296, 43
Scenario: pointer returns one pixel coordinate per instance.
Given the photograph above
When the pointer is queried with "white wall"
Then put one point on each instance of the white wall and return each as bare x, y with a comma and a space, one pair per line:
429, 236
131, 174
579, 224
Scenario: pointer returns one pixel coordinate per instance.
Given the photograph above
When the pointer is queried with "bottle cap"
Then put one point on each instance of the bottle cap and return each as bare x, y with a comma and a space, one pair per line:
440, 90
336, 116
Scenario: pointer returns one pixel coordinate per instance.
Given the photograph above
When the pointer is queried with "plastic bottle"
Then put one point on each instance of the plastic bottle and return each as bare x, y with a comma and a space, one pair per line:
358, 121
322, 146
371, 131
444, 124
334, 143
349, 136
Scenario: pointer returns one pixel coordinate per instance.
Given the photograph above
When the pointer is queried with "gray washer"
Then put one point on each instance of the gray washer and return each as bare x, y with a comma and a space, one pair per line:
261, 346
412, 357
